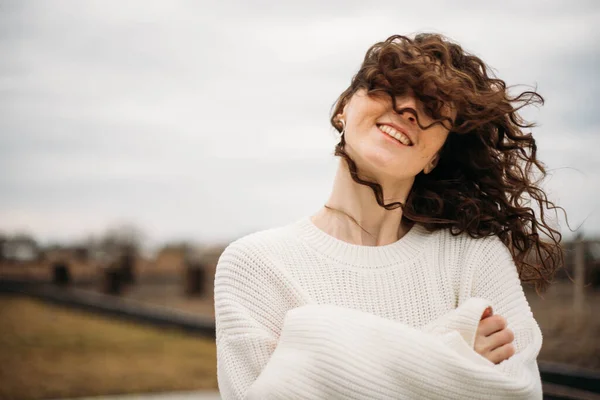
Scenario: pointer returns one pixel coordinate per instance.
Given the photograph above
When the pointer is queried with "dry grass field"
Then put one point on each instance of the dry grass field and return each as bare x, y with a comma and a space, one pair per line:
568, 338
51, 352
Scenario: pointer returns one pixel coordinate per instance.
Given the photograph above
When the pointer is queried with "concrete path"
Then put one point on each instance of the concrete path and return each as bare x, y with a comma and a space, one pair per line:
197, 395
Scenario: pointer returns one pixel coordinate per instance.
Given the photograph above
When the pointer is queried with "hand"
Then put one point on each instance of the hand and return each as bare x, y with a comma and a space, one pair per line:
493, 339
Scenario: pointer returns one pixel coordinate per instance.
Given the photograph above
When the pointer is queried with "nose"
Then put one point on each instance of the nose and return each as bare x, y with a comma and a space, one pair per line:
410, 117
407, 106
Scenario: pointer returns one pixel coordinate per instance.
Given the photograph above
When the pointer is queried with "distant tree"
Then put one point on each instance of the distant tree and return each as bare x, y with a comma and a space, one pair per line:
125, 235
20, 248
3, 240
119, 248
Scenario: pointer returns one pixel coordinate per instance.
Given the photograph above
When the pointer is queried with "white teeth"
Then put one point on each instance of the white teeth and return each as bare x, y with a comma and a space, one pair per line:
395, 134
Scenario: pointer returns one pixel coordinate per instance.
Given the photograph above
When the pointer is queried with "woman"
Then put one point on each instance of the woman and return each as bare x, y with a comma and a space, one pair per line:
388, 291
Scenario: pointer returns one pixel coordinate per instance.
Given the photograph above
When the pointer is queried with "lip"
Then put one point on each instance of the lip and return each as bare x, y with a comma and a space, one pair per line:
399, 129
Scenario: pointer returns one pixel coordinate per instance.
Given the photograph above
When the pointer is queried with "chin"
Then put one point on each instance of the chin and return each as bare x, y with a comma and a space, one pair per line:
374, 162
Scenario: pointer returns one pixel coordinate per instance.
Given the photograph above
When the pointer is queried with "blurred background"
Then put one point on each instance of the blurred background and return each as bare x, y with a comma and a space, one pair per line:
139, 138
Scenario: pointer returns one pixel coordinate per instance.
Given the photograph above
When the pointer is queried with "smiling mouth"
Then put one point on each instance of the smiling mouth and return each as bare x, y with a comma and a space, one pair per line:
399, 136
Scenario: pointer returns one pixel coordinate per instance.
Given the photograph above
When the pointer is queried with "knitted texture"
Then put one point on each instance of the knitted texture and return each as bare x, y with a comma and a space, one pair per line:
301, 314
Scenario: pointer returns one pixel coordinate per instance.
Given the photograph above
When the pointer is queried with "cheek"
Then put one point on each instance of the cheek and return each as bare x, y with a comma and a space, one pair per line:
432, 142
365, 111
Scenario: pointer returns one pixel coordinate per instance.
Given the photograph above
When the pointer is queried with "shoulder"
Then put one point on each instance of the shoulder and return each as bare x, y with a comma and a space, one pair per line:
491, 268
481, 266
474, 257
249, 283
487, 250
257, 249
469, 247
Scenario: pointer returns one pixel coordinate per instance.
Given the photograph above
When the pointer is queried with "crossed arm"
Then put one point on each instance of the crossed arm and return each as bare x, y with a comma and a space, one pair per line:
331, 352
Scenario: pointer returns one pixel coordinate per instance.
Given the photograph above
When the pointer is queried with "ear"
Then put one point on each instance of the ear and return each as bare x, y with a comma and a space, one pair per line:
435, 160
432, 164
339, 118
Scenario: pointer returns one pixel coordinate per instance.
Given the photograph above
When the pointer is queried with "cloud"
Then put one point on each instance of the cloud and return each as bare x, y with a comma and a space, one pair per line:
206, 120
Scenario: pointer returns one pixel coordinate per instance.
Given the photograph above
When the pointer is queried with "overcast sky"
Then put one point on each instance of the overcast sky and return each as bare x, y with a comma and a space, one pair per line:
209, 120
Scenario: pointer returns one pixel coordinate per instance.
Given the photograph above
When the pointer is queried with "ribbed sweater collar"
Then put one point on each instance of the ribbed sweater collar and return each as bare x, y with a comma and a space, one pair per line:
368, 257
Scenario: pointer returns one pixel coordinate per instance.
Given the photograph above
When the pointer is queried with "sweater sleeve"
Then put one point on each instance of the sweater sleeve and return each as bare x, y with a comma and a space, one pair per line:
331, 352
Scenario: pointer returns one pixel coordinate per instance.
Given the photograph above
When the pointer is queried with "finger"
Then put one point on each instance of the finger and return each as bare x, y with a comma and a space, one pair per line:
487, 313
487, 344
501, 353
491, 325
500, 338
494, 341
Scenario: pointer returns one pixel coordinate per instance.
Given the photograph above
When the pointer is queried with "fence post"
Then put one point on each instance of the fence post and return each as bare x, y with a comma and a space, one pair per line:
579, 272
194, 278
61, 275
112, 281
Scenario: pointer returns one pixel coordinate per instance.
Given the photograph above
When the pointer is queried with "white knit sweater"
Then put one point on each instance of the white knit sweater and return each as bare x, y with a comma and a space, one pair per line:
301, 314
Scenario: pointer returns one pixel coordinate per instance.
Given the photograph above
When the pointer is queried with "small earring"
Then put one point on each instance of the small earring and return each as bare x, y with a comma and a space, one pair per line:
340, 134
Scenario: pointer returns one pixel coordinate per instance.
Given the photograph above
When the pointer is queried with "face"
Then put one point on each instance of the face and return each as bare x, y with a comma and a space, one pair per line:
388, 145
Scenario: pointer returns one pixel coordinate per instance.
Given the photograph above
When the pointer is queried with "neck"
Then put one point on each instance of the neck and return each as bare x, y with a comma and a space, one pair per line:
358, 201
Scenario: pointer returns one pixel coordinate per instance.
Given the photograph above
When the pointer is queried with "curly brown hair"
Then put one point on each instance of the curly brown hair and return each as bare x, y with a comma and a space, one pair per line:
485, 179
